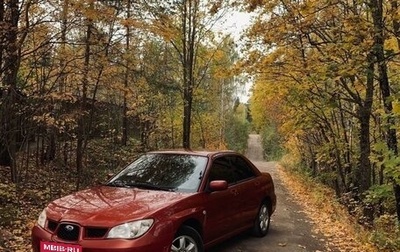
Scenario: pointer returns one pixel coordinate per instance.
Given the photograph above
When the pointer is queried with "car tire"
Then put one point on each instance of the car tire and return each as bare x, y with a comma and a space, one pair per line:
187, 239
262, 221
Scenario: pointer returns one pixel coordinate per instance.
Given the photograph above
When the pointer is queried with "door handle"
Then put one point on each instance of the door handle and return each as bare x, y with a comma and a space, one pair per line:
235, 192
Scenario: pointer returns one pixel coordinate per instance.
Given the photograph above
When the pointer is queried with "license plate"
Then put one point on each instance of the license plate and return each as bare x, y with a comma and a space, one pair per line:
59, 247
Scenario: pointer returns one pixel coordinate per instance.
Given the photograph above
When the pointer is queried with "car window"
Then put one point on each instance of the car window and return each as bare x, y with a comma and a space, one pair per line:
221, 169
233, 169
242, 168
176, 172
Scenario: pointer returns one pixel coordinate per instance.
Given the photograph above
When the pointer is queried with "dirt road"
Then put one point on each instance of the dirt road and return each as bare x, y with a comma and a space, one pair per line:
290, 230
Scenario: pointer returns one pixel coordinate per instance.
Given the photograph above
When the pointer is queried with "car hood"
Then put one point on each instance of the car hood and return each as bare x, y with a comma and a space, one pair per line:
104, 205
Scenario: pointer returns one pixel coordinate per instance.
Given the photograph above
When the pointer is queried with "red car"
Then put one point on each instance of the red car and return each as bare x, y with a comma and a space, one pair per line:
164, 201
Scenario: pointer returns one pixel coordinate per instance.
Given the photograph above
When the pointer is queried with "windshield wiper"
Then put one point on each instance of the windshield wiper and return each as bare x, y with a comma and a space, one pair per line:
142, 185
115, 184
146, 185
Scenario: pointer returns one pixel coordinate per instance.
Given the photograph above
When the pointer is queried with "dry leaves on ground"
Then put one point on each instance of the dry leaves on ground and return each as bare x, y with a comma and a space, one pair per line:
329, 217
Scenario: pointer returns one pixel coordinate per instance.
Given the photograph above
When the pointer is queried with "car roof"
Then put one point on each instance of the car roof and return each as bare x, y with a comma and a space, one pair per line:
208, 153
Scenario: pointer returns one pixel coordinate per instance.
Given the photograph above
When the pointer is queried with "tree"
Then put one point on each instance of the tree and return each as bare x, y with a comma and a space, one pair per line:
376, 8
187, 26
322, 62
11, 40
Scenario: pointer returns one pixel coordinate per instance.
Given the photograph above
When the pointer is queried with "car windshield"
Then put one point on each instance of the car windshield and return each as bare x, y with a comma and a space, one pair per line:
160, 171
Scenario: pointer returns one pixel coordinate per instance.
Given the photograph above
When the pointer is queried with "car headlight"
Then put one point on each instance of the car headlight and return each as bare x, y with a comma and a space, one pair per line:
42, 219
130, 230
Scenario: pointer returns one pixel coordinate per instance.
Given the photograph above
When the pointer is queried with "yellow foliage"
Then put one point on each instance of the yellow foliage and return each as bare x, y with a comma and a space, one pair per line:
396, 108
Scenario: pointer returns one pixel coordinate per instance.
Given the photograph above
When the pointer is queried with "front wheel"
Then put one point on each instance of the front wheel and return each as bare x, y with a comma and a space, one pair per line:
187, 240
262, 221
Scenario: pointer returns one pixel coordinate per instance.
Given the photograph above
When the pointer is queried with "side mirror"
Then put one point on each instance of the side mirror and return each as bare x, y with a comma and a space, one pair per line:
218, 185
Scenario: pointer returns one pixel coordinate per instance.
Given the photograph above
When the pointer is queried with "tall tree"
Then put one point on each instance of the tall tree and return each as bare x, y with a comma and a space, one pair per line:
124, 138
11, 41
9, 71
190, 25
377, 7
187, 25
396, 33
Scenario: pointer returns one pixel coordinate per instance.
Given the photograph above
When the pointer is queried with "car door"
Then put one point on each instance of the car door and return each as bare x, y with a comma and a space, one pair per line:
221, 206
248, 188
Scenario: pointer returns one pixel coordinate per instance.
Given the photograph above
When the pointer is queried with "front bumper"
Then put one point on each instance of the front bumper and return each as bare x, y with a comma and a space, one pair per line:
146, 243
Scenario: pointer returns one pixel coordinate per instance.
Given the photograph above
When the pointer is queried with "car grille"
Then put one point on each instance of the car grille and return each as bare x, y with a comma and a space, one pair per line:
71, 231
93, 233
68, 232
52, 225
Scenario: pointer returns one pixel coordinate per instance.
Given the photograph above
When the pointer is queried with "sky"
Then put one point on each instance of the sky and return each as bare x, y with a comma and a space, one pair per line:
235, 24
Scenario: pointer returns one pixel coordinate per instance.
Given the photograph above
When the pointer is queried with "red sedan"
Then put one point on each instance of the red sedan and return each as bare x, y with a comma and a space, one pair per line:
164, 201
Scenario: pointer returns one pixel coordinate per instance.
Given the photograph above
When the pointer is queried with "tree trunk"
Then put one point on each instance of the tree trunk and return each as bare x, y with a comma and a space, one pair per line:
189, 30
2, 35
187, 114
396, 31
9, 77
82, 134
124, 139
362, 175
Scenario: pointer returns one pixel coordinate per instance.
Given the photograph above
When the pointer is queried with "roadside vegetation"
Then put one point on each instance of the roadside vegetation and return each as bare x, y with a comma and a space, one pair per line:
327, 92
333, 218
330, 218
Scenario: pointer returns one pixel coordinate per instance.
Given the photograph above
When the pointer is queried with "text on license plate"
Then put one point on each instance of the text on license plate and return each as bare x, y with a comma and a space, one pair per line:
59, 247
